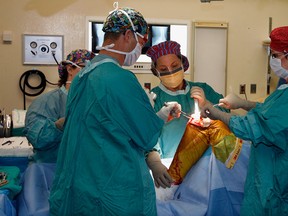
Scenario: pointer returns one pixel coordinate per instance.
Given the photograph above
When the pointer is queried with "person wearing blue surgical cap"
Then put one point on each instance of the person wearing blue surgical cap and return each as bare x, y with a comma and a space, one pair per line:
110, 123
45, 116
266, 126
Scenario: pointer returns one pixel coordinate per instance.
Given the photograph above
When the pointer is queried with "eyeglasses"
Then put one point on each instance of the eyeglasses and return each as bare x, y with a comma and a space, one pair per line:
279, 55
80, 66
169, 72
144, 37
165, 69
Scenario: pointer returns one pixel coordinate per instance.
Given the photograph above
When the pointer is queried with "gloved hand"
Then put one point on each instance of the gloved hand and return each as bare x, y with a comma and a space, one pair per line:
232, 101
159, 171
59, 123
170, 109
213, 113
198, 93
207, 109
151, 95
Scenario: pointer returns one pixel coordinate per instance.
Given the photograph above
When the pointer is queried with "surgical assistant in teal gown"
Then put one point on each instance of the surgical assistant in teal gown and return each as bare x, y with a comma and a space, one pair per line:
40, 127
266, 187
173, 130
110, 123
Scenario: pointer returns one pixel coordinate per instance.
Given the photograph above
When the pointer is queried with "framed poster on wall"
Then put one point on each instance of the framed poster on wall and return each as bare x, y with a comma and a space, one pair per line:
42, 49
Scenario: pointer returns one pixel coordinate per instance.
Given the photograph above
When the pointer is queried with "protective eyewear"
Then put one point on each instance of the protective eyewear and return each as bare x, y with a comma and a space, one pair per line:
279, 55
144, 37
174, 70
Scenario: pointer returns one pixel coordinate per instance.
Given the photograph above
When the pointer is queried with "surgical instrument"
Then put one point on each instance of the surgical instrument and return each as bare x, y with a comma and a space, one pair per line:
7, 142
183, 113
217, 105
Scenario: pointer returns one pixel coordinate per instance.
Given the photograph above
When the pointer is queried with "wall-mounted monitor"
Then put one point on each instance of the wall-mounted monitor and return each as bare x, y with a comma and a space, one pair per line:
158, 33
160, 30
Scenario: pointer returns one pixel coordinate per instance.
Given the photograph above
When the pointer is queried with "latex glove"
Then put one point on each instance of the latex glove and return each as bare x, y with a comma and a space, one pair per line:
159, 171
59, 123
151, 95
170, 110
232, 101
198, 93
207, 109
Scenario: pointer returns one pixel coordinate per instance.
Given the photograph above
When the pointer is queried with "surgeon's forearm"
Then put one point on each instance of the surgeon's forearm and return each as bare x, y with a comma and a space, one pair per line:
216, 114
248, 105
153, 157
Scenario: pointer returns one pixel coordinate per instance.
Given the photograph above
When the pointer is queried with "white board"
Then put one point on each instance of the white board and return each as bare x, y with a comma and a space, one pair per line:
210, 54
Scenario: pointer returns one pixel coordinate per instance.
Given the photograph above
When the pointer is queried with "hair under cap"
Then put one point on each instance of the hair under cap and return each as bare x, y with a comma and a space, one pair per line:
117, 21
78, 57
279, 39
165, 48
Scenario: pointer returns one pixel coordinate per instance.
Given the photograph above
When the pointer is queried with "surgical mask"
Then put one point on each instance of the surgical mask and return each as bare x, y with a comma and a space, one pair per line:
131, 57
275, 65
172, 79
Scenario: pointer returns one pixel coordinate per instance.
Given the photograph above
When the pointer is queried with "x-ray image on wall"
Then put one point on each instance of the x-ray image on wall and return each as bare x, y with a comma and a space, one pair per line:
97, 35
159, 34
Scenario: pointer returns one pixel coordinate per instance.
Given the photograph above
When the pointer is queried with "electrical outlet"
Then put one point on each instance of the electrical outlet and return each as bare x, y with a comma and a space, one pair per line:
147, 85
253, 88
242, 88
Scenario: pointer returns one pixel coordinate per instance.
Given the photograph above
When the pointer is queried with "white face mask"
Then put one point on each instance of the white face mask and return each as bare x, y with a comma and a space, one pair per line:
131, 57
275, 65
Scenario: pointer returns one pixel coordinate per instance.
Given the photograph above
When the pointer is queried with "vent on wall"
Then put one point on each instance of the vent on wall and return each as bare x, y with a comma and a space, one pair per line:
205, 1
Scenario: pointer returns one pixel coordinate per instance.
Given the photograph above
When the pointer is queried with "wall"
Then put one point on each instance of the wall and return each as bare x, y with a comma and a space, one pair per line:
248, 27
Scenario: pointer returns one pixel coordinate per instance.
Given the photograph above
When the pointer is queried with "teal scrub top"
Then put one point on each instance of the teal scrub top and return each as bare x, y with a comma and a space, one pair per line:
40, 128
173, 130
266, 187
110, 123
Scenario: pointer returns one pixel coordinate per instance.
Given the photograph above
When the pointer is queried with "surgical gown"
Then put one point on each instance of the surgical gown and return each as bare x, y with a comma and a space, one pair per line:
173, 130
110, 123
40, 127
266, 187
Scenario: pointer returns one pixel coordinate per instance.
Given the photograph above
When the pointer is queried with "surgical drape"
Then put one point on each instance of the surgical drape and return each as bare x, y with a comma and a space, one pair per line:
173, 130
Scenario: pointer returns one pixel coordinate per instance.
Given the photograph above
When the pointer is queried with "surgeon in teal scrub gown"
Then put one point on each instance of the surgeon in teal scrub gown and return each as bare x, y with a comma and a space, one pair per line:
266, 125
110, 123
